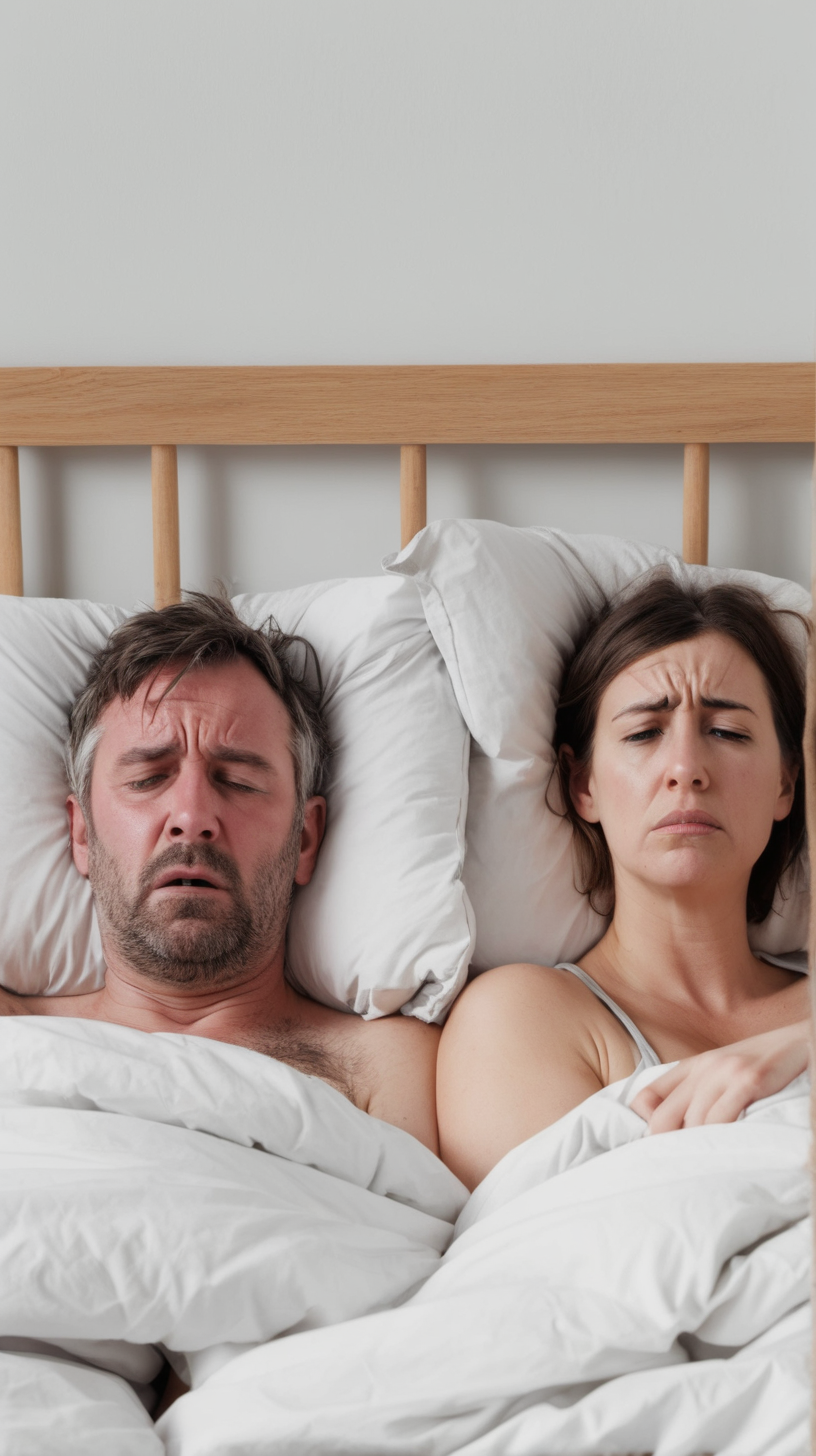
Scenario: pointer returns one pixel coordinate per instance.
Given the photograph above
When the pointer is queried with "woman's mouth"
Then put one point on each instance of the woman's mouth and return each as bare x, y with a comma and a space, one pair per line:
688, 822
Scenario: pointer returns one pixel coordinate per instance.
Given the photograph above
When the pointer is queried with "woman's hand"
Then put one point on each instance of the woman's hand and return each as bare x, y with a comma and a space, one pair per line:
716, 1086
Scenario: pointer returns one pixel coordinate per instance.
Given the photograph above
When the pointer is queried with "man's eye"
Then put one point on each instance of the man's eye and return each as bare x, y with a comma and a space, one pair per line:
236, 784
149, 783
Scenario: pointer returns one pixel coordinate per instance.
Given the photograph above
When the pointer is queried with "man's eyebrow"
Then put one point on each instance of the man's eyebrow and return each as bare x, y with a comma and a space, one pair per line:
663, 706
222, 753
241, 755
147, 753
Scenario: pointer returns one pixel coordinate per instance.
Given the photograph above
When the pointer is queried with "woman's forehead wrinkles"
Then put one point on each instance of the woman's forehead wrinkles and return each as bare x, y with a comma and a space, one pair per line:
683, 673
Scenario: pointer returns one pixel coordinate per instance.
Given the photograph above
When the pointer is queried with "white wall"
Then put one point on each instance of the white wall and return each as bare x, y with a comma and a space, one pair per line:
353, 181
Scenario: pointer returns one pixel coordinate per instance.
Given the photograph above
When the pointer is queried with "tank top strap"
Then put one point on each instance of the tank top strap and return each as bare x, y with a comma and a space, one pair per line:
648, 1056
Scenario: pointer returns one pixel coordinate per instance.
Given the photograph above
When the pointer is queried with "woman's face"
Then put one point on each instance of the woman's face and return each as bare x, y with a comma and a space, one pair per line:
687, 775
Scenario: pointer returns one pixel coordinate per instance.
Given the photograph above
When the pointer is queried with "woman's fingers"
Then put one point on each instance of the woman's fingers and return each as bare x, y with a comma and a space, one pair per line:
683, 1107
652, 1096
718, 1085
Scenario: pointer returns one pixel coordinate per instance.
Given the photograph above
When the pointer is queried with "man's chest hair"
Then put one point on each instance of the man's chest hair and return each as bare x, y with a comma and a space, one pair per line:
308, 1051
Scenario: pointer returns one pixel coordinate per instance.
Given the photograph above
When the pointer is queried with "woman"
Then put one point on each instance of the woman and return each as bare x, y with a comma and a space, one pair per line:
679, 751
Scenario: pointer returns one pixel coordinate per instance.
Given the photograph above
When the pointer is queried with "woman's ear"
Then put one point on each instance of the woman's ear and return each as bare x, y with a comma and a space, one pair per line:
787, 787
579, 780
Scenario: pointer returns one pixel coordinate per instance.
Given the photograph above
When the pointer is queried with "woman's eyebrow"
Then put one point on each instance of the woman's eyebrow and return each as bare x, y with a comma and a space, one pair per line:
725, 703
663, 706
660, 706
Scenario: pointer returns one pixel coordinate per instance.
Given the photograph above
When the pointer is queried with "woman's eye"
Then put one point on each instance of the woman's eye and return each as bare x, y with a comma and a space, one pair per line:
642, 736
730, 734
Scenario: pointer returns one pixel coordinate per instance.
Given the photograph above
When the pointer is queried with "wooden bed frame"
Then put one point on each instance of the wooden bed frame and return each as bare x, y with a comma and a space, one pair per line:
696, 405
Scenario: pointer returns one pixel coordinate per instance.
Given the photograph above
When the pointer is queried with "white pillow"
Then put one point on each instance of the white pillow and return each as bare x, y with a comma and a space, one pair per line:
49, 940
385, 923
506, 606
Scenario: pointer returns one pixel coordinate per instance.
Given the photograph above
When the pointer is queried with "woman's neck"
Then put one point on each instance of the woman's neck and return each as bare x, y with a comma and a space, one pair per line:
688, 950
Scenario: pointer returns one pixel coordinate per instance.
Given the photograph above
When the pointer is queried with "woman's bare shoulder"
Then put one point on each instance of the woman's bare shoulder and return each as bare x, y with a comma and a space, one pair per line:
524, 989
522, 1046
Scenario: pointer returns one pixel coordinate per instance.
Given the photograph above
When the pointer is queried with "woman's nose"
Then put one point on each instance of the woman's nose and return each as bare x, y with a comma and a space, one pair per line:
686, 765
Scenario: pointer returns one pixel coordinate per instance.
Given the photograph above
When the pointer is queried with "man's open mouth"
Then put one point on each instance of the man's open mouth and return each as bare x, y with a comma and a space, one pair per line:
172, 880
204, 884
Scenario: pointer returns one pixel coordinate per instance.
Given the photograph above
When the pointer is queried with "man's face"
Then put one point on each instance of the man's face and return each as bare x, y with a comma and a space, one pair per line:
193, 844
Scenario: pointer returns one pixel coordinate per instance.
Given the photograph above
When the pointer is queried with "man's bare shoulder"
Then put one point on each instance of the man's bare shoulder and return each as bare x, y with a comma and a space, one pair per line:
399, 1054
13, 1004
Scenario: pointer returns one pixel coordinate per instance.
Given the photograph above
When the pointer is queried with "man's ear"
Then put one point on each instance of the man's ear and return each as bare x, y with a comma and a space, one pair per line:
78, 830
314, 826
580, 785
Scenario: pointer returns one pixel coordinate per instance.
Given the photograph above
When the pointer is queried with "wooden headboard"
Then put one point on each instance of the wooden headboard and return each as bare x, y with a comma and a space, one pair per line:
696, 405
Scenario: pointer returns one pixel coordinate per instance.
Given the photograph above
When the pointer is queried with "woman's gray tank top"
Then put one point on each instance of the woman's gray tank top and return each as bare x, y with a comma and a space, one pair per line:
648, 1056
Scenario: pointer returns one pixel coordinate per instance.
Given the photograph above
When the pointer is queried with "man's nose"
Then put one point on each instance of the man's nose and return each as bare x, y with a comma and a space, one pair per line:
192, 809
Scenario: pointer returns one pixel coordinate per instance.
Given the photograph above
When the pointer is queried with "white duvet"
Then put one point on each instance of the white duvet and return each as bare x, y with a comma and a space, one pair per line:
606, 1292
168, 1191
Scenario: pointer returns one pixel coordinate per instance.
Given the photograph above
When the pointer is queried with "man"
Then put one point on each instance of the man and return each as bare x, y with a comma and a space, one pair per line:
197, 757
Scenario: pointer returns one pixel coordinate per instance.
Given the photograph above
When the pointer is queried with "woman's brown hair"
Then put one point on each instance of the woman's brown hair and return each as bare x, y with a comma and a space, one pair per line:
655, 614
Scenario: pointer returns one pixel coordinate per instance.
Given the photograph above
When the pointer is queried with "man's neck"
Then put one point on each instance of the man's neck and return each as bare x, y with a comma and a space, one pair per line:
259, 997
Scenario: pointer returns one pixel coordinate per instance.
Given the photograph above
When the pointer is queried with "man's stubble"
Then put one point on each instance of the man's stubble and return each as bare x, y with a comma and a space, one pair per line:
189, 940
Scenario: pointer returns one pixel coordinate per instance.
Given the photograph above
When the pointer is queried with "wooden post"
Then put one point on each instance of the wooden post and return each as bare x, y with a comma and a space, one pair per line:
413, 492
695, 504
11, 536
166, 563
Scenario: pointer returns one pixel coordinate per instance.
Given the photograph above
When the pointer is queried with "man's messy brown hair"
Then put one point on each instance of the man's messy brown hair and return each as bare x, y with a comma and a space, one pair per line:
201, 631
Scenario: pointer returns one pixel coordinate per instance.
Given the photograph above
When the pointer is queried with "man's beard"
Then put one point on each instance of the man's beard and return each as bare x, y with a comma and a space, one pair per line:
194, 940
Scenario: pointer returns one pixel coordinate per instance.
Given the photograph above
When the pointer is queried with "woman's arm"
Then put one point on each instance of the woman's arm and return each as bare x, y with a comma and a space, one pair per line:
717, 1086
522, 1046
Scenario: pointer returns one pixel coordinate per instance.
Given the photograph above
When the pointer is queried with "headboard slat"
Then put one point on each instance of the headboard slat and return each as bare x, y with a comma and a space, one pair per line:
413, 492
438, 404
695, 504
11, 536
166, 553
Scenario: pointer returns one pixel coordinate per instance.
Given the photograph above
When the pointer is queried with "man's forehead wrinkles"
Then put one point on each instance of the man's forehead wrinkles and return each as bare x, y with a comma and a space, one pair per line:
191, 718
173, 748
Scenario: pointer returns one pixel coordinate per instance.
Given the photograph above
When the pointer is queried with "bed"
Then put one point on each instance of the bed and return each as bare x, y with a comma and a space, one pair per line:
319, 1279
